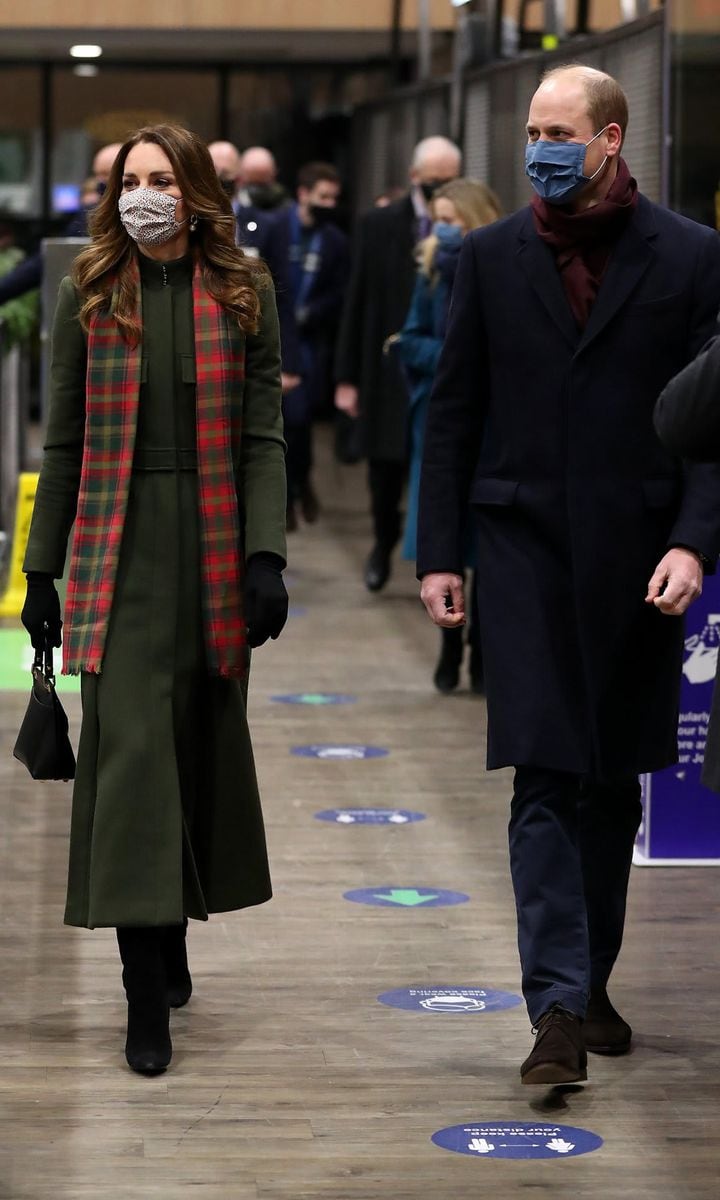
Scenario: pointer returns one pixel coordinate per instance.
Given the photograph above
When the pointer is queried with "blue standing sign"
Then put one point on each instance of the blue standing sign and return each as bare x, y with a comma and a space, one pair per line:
450, 999
513, 1139
406, 897
681, 818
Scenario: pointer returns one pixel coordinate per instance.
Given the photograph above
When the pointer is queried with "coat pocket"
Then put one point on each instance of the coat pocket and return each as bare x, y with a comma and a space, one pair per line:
493, 491
660, 493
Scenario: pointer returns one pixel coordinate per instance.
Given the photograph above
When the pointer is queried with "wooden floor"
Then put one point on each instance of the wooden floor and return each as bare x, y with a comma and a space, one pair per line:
289, 1079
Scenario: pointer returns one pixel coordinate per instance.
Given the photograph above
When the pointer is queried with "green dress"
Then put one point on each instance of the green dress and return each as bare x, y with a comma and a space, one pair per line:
166, 815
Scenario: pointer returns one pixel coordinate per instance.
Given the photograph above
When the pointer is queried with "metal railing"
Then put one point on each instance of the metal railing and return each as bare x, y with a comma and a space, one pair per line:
14, 416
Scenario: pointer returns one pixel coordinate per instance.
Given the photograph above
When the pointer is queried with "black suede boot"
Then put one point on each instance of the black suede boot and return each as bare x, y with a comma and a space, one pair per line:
447, 671
148, 1048
179, 982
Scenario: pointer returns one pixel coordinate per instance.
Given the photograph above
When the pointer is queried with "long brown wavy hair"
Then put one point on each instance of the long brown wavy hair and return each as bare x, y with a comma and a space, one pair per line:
108, 263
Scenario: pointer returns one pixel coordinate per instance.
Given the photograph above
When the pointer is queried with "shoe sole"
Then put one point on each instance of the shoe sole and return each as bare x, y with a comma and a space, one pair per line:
553, 1073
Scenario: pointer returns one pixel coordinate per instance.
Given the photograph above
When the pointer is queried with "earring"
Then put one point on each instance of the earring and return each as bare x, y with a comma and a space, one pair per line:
193, 223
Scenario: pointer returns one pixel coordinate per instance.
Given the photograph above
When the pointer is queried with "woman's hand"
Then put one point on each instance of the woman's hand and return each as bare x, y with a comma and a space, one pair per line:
41, 610
266, 600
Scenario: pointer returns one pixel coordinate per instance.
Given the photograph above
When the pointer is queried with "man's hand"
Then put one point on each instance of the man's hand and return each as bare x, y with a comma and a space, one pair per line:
289, 382
435, 587
346, 399
676, 583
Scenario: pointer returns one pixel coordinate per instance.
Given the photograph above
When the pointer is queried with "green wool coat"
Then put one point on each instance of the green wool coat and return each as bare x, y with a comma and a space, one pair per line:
166, 817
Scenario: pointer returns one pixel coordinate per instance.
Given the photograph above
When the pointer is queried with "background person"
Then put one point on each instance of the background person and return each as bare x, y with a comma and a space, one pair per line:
176, 562
589, 533
254, 235
457, 208
370, 384
316, 254
28, 274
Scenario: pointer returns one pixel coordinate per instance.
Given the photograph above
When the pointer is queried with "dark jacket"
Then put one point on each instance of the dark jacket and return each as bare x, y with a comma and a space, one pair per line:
687, 420
548, 432
255, 235
381, 285
28, 275
324, 301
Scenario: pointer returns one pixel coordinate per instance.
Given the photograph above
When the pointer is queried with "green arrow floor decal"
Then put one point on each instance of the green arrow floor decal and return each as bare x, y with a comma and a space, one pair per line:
407, 897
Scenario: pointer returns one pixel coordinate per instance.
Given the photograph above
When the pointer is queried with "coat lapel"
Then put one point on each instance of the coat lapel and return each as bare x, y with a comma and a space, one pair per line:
538, 262
628, 263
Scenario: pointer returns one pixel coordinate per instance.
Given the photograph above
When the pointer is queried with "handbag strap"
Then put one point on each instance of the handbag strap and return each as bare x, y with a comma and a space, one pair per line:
43, 661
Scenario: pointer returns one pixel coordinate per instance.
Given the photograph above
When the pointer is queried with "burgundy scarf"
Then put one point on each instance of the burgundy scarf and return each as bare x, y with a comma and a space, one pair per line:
582, 242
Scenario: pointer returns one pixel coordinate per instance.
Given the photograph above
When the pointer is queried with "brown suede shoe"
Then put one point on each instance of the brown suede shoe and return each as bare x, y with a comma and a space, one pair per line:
604, 1030
559, 1052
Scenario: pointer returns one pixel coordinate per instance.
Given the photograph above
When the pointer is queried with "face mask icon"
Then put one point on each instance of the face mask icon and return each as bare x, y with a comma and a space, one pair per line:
456, 1002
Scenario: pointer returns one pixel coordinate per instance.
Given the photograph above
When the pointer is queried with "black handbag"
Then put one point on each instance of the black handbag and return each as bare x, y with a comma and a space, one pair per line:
43, 744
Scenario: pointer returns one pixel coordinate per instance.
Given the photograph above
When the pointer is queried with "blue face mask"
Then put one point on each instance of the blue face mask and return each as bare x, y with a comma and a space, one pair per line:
555, 169
449, 236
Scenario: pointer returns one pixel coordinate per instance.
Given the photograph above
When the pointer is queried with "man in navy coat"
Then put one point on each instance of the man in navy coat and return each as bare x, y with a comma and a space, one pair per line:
567, 320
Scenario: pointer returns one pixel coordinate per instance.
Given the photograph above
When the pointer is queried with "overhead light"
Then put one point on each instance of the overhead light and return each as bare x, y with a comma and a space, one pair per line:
86, 70
85, 51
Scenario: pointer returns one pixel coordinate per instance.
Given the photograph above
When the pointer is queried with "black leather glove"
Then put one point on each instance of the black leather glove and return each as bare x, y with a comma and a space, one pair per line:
266, 601
41, 610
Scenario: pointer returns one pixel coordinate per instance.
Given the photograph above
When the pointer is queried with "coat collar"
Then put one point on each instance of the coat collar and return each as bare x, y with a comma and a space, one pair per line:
628, 263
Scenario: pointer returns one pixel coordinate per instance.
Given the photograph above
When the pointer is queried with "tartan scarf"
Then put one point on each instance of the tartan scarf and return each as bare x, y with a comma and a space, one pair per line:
111, 413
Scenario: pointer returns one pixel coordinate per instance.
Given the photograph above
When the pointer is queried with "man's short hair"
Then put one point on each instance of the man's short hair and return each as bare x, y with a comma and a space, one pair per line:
607, 102
317, 172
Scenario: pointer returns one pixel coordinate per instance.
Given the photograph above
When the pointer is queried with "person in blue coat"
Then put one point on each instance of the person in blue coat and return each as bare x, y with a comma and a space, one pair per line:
567, 321
457, 208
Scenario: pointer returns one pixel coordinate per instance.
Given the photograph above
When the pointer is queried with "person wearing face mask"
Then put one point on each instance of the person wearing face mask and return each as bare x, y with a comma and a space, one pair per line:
370, 384
254, 234
315, 253
567, 320
28, 275
457, 208
164, 447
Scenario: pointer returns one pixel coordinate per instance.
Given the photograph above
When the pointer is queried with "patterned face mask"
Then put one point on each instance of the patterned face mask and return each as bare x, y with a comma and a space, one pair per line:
149, 216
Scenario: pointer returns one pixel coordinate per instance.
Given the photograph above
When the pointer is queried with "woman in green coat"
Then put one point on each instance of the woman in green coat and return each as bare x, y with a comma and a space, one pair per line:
165, 448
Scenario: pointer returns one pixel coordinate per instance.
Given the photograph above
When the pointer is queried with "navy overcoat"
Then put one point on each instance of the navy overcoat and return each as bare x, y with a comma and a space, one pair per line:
547, 431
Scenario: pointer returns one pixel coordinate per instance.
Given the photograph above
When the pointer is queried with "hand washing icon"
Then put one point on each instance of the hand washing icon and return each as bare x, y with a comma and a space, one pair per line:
702, 652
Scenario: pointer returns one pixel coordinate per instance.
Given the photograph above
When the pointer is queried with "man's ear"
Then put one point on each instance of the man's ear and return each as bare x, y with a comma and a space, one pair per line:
614, 143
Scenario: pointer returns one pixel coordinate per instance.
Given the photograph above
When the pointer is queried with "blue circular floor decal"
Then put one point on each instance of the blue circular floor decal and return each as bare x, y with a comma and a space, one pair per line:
406, 897
340, 751
369, 816
511, 1139
317, 698
451, 998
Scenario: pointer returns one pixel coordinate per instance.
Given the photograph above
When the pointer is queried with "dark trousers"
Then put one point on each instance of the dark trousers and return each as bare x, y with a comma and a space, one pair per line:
386, 479
298, 461
571, 844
